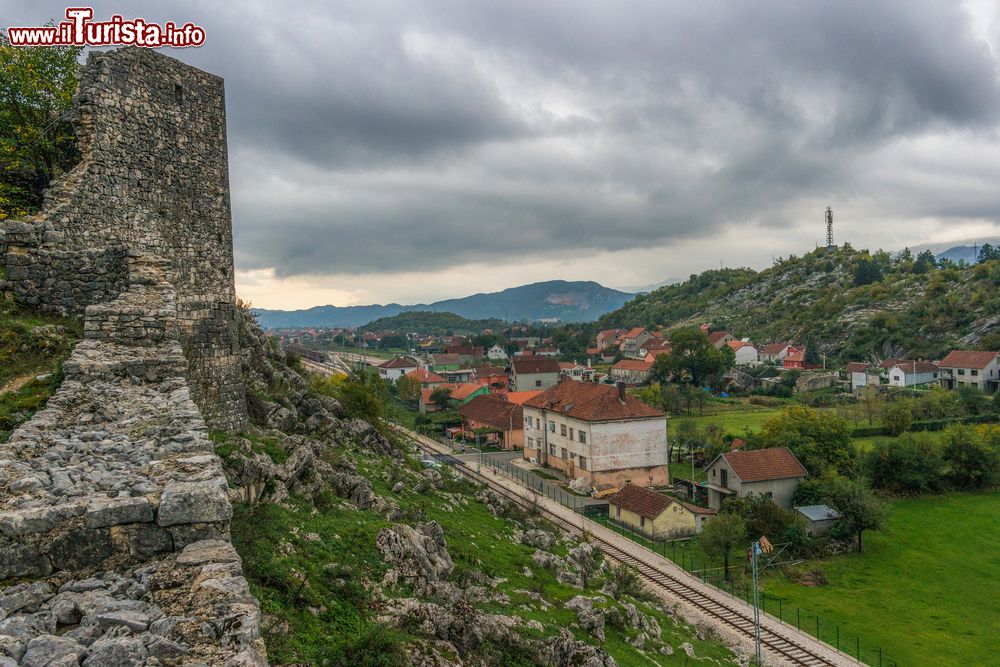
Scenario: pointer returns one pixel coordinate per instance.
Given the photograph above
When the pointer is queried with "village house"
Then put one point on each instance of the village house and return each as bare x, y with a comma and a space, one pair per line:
775, 353
796, 359
862, 374
910, 373
574, 371
774, 473
654, 514
467, 354
504, 419
519, 397
459, 376
632, 341
598, 432
529, 373
609, 338
396, 368
745, 353
427, 379
445, 362
459, 394
546, 351
653, 348
631, 371
970, 368
496, 353
720, 338
493, 377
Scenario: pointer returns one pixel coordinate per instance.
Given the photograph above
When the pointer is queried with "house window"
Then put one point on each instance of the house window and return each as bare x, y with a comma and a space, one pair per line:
642, 522
564, 455
538, 383
725, 478
531, 443
562, 430
583, 463
571, 434
973, 373
538, 422
961, 371
552, 450
581, 436
552, 427
618, 511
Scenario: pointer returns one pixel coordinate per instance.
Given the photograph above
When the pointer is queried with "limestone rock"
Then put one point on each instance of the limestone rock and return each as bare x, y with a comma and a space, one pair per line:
591, 618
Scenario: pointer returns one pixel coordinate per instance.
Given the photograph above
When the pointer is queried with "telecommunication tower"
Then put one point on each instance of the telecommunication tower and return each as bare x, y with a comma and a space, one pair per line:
829, 229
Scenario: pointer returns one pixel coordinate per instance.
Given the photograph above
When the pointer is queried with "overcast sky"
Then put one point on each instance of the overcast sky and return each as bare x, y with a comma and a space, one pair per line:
411, 151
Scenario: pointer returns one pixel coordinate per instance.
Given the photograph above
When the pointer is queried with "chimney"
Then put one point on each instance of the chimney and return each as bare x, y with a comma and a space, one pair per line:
621, 391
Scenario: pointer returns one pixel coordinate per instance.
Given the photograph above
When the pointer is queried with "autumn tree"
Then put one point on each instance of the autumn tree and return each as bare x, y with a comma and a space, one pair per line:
820, 440
408, 388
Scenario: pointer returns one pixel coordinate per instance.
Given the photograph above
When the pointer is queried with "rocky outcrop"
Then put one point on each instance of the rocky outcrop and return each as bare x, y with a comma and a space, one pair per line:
590, 618
417, 555
564, 650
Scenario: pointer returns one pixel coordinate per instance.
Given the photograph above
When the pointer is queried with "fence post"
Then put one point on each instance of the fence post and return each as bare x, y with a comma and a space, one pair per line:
798, 618
838, 637
859, 648
817, 626
780, 618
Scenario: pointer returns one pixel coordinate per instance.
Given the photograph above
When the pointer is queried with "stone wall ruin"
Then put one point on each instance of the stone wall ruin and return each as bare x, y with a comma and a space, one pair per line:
114, 511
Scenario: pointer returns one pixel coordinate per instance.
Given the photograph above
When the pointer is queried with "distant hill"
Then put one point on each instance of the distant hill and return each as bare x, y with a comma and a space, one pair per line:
579, 301
960, 253
428, 322
821, 299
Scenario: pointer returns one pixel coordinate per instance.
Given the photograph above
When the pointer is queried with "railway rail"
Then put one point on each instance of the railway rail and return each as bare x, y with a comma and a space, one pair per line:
788, 648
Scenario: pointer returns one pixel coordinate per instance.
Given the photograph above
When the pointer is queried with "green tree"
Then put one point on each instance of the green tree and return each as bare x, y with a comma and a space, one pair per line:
925, 262
761, 516
721, 535
441, 397
408, 388
973, 400
820, 440
37, 142
692, 359
987, 253
897, 417
867, 272
859, 508
972, 463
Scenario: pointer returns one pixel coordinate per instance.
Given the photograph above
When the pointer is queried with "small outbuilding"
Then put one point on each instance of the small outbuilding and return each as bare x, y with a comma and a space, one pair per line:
817, 518
656, 514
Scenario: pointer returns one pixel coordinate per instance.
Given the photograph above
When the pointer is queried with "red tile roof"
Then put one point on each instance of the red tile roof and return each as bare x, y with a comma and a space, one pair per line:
398, 362
535, 365
757, 465
641, 500
910, 366
493, 411
737, 344
446, 360
424, 376
519, 397
635, 332
774, 348
968, 359
716, 336
591, 402
695, 509
463, 391
633, 365
857, 366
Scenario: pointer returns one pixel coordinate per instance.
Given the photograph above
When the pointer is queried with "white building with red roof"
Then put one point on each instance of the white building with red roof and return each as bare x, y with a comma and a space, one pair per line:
970, 368
745, 352
773, 472
597, 431
396, 368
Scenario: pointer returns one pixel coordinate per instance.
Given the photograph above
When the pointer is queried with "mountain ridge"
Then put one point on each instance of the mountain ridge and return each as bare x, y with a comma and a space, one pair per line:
566, 301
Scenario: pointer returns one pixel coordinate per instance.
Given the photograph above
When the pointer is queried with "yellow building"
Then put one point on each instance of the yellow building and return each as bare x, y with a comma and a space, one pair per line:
656, 514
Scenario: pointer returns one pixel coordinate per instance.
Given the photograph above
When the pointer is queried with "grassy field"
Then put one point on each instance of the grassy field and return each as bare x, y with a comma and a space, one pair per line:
926, 590
735, 419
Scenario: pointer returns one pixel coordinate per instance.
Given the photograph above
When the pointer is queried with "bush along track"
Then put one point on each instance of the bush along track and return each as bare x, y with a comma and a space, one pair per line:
358, 555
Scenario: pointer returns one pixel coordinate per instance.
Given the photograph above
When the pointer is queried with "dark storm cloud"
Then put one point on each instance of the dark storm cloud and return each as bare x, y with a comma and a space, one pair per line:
388, 136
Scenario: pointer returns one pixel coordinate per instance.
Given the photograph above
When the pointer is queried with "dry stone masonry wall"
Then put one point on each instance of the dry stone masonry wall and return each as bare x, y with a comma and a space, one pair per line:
114, 510
154, 179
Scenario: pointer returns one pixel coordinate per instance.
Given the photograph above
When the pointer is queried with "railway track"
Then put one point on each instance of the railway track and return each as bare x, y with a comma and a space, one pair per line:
717, 607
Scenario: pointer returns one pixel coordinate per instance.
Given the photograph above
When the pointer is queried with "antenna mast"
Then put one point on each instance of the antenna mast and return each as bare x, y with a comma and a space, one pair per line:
829, 229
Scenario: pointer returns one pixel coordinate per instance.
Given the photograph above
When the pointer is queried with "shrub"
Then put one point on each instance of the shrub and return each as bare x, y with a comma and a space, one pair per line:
911, 464
897, 417
972, 461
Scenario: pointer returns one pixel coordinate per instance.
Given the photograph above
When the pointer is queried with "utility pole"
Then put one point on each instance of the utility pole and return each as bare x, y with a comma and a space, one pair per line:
693, 494
754, 552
